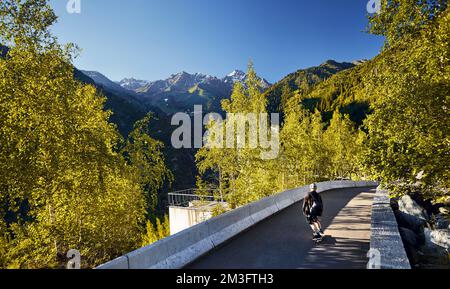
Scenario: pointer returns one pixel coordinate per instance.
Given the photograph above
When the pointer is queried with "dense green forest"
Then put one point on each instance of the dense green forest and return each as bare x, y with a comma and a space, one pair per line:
75, 176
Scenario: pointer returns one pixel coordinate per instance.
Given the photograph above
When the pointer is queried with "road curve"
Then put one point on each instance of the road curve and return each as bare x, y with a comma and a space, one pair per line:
283, 241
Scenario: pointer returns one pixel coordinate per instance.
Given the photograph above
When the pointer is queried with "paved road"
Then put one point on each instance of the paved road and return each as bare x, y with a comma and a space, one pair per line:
283, 241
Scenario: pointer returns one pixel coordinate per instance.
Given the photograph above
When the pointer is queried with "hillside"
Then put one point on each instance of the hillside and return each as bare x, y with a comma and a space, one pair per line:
302, 81
343, 91
346, 90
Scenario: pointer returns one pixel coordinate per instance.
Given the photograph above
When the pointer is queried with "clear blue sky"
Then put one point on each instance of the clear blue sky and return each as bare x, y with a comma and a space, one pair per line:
152, 39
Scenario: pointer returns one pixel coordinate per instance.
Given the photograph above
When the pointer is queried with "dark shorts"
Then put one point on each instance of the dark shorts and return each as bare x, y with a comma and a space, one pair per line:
312, 219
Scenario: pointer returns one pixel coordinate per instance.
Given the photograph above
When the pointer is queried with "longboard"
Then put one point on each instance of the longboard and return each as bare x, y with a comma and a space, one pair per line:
319, 240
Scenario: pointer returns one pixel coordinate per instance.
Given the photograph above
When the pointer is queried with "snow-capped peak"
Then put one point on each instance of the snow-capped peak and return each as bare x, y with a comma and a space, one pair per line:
132, 83
237, 74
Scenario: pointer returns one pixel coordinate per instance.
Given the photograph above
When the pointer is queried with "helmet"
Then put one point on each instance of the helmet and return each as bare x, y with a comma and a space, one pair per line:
313, 187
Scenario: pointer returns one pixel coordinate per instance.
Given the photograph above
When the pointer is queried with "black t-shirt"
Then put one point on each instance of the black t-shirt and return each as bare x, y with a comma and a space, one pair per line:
315, 207
317, 199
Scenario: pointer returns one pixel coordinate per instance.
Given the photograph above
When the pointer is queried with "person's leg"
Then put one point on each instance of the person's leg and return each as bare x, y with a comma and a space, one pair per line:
312, 224
319, 225
315, 226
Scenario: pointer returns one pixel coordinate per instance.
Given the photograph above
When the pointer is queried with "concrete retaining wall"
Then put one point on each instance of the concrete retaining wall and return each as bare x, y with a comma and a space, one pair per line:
186, 246
386, 245
182, 218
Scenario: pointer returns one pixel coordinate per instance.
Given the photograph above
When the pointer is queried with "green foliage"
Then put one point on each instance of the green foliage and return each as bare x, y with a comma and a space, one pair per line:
218, 210
312, 152
344, 91
404, 18
344, 145
237, 170
404, 94
4, 247
144, 154
156, 232
409, 129
150, 235
64, 183
26, 23
58, 156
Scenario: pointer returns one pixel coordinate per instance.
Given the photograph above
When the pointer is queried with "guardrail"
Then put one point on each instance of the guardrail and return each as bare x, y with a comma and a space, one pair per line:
185, 197
386, 245
181, 249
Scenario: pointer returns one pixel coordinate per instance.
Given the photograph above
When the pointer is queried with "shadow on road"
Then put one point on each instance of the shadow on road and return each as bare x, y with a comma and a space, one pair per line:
284, 241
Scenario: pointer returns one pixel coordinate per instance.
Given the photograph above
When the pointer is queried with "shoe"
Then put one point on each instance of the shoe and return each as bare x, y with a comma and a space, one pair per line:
317, 237
322, 233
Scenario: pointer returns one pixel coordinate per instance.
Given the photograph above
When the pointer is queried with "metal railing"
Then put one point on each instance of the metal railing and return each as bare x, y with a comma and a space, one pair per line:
184, 198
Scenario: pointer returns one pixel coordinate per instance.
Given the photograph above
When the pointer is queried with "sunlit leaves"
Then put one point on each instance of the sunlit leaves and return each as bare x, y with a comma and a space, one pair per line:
64, 184
409, 130
404, 18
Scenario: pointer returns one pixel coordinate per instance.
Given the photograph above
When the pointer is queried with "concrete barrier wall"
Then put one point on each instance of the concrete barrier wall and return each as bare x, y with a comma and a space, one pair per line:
386, 245
186, 246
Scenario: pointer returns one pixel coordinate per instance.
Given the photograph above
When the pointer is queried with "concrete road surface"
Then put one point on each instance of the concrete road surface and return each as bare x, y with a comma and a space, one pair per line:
284, 241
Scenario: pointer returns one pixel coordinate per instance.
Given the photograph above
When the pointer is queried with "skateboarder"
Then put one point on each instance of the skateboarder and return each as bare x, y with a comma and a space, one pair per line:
313, 209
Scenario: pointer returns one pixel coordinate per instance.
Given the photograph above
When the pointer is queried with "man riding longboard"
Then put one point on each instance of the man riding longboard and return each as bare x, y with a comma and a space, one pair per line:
313, 209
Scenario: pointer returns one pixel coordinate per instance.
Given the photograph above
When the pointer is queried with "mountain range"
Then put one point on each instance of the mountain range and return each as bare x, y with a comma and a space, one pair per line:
184, 81
178, 93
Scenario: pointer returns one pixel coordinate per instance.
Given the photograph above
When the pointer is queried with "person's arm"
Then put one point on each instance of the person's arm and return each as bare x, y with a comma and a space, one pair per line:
304, 207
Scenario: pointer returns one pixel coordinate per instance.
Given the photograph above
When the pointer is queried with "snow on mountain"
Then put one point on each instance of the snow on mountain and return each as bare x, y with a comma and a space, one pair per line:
180, 82
132, 83
236, 76
240, 76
